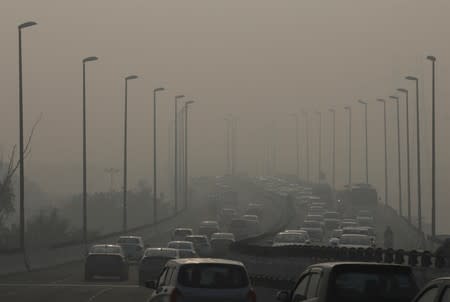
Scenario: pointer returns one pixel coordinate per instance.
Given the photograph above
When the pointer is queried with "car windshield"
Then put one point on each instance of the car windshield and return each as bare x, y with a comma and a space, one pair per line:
377, 285
169, 253
213, 276
183, 245
102, 249
128, 240
355, 240
311, 224
197, 239
289, 238
331, 215
180, 232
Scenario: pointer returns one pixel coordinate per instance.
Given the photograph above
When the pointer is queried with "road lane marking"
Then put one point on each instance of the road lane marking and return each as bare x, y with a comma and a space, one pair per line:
101, 292
66, 285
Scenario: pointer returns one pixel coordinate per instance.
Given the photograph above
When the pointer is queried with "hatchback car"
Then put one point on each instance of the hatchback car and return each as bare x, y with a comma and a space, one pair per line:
437, 290
181, 233
199, 280
106, 260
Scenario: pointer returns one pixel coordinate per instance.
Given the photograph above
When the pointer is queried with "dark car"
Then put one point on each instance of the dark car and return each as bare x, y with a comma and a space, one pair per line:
153, 262
352, 282
106, 260
437, 290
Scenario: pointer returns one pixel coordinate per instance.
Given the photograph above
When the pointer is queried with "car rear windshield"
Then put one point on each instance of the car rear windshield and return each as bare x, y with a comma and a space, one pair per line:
197, 240
213, 276
331, 215
105, 250
180, 245
373, 284
128, 241
183, 232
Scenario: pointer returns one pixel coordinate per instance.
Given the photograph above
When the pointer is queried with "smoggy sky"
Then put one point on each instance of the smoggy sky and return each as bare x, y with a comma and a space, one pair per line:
259, 60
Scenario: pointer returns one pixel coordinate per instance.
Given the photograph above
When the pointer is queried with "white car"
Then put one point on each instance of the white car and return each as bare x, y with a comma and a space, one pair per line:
290, 238
202, 280
355, 241
153, 262
181, 233
186, 249
133, 246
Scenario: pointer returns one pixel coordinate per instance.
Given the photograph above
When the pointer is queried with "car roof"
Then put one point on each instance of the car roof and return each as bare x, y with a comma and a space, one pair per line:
106, 245
183, 229
131, 237
183, 261
180, 241
354, 235
196, 236
330, 265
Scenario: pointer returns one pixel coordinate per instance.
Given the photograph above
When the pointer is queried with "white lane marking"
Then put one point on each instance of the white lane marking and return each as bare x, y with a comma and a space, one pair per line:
65, 285
99, 294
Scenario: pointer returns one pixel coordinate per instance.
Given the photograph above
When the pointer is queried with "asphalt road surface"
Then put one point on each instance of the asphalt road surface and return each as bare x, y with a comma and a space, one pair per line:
66, 283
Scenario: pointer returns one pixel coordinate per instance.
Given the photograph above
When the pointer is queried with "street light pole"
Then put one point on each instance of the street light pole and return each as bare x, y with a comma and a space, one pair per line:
320, 147
408, 177
385, 153
175, 185
85, 60
398, 157
433, 147
366, 140
297, 146
349, 109
333, 112
419, 185
125, 157
305, 114
21, 143
186, 166
155, 194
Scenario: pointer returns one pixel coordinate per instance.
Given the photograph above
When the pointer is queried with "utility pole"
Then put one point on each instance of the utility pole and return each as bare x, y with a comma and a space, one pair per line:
366, 140
125, 157
305, 115
419, 183
385, 153
398, 157
21, 145
333, 112
433, 147
349, 109
408, 176
155, 176
319, 164
175, 185
186, 165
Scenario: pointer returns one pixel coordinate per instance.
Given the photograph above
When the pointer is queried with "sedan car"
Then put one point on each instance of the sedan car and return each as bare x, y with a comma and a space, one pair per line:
186, 249
290, 238
153, 262
202, 280
133, 246
220, 243
314, 229
106, 260
201, 244
181, 233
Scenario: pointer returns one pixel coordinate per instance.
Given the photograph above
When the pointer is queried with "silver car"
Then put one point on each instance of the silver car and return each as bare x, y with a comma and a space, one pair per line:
202, 279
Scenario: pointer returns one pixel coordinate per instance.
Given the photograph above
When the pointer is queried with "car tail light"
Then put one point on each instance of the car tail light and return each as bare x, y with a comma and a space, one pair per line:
175, 295
251, 296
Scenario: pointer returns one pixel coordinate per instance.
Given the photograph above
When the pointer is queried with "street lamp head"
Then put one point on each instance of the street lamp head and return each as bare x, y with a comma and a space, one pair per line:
362, 102
393, 97
381, 100
158, 89
179, 96
131, 77
402, 90
347, 108
189, 102
431, 58
411, 78
27, 24
90, 59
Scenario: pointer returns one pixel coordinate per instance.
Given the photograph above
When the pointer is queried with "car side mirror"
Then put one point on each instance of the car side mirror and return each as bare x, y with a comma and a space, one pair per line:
150, 284
283, 296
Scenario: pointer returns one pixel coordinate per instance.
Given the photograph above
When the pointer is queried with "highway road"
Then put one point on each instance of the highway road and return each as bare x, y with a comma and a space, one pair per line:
66, 282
